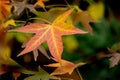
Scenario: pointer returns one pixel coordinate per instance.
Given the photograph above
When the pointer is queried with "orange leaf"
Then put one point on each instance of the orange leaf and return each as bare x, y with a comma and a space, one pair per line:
40, 3
84, 18
64, 67
51, 33
3, 9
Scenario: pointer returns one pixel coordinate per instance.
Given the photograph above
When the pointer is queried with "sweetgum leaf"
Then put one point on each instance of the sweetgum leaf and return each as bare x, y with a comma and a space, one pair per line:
21, 6
64, 67
84, 18
51, 33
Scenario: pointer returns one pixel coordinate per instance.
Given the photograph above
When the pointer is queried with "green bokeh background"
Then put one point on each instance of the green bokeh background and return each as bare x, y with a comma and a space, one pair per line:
105, 35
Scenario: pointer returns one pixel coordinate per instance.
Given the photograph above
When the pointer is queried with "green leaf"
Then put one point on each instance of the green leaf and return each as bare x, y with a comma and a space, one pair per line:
40, 75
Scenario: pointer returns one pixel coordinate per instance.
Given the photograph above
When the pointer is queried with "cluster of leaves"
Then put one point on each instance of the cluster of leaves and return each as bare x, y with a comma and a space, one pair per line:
50, 32
47, 23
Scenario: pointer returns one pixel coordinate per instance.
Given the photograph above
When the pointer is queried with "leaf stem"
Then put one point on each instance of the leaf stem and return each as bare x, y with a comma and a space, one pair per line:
19, 21
67, 3
55, 5
44, 9
42, 20
79, 74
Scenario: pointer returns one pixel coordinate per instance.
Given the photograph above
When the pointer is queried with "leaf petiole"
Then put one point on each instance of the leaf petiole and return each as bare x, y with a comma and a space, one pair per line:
42, 20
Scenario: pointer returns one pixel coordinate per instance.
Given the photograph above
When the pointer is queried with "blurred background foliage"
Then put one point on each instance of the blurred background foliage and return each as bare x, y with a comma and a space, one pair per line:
89, 48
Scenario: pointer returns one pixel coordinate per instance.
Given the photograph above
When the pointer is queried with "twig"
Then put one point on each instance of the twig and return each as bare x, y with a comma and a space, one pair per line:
79, 74
42, 20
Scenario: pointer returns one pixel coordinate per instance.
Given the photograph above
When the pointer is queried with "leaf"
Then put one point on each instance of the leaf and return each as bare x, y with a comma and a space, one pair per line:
5, 25
21, 6
2, 34
6, 63
96, 10
40, 75
3, 29
9, 65
42, 50
115, 58
40, 3
84, 18
21, 37
47, 15
64, 67
116, 47
10, 22
51, 33
4, 12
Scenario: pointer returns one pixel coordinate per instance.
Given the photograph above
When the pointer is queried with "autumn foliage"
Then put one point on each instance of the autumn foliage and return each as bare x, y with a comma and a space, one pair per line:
41, 28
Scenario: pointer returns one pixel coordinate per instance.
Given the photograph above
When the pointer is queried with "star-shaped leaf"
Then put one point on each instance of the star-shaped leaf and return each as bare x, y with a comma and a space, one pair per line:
51, 33
64, 67
84, 18
21, 6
